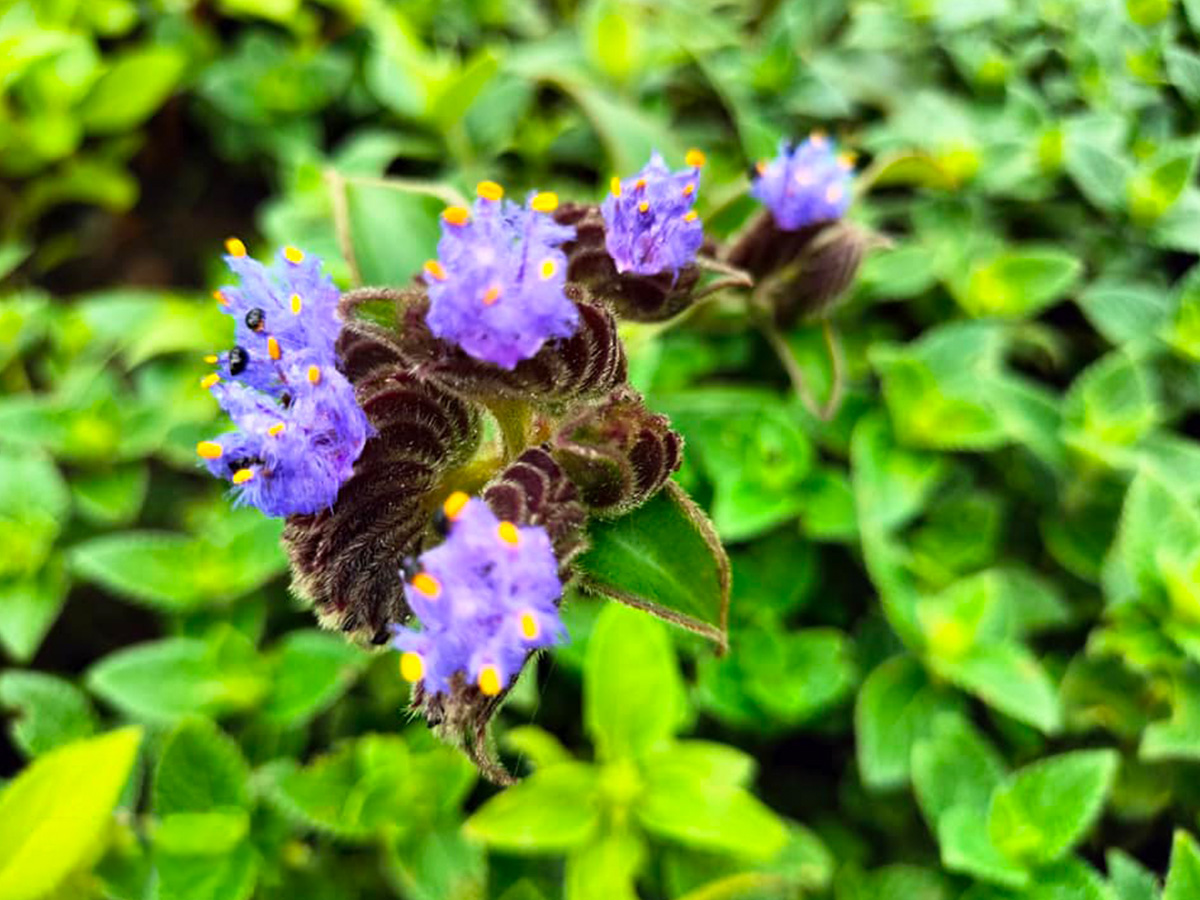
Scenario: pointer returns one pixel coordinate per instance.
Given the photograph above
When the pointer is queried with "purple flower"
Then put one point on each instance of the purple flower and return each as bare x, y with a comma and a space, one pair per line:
299, 427
650, 224
486, 598
806, 183
496, 288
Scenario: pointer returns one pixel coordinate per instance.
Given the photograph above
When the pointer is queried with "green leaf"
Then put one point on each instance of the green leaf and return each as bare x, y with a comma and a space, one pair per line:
213, 833
163, 680
1183, 68
605, 869
175, 572
1007, 677
113, 496
1177, 738
1046, 808
33, 506
373, 211
629, 134
896, 708
705, 761
49, 711
134, 85
312, 670
205, 877
200, 768
1157, 186
29, 607
967, 848
552, 810
1071, 878
1019, 283
632, 693
709, 815
662, 558
1129, 879
954, 766
1125, 311
439, 864
894, 882
1183, 876
55, 815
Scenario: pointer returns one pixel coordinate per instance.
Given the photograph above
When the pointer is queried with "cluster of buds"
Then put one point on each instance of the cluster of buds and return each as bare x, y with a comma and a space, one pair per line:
360, 417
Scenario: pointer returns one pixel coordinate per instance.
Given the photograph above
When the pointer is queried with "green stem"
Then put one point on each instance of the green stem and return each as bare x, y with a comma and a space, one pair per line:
514, 418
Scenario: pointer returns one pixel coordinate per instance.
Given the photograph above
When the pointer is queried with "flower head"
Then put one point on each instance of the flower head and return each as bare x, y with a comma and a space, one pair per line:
299, 427
486, 597
496, 288
805, 183
649, 221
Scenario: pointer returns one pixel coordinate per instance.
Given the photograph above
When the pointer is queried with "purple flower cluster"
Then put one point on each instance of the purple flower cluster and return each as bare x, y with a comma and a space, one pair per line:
805, 183
299, 427
496, 288
486, 597
649, 221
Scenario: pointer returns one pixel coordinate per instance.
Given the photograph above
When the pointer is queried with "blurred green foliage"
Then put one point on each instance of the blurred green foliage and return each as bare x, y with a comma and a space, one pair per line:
965, 630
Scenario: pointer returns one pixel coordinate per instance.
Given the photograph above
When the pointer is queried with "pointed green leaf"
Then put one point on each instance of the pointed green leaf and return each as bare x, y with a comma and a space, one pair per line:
554, 809
1183, 876
49, 711
665, 559
199, 769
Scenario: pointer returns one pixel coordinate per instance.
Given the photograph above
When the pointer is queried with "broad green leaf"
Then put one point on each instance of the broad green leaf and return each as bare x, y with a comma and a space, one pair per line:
48, 711
954, 766
372, 211
200, 769
605, 869
894, 882
1183, 876
966, 847
553, 810
113, 496
1125, 311
1045, 809
33, 506
1007, 677
225, 877
536, 746
705, 761
1159, 183
1019, 283
1071, 878
312, 669
629, 135
896, 708
662, 558
1183, 68
794, 676
55, 815
163, 680
1129, 879
441, 863
29, 607
803, 864
632, 694
456, 93
1177, 738
212, 833
709, 815
1110, 405
135, 84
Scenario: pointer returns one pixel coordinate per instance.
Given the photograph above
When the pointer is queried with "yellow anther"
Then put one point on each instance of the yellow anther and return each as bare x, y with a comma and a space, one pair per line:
847, 159
220, 298
529, 626
209, 450
209, 380
760, 167
293, 255
545, 201
833, 193
314, 374
489, 190
273, 348
297, 303
689, 189
508, 533
817, 138
275, 430
489, 681
615, 186
695, 158
234, 247
241, 476
690, 216
456, 215
639, 184
212, 359
548, 268
454, 504
643, 206
492, 295
412, 667
424, 583
435, 269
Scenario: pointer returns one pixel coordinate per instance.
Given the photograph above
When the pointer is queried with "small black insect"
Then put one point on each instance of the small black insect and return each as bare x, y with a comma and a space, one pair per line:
255, 319
752, 172
243, 462
285, 400
238, 360
441, 522
382, 636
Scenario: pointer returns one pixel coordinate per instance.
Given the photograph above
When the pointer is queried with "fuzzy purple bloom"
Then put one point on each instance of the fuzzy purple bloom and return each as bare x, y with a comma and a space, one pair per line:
486, 598
299, 427
650, 224
805, 183
496, 288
